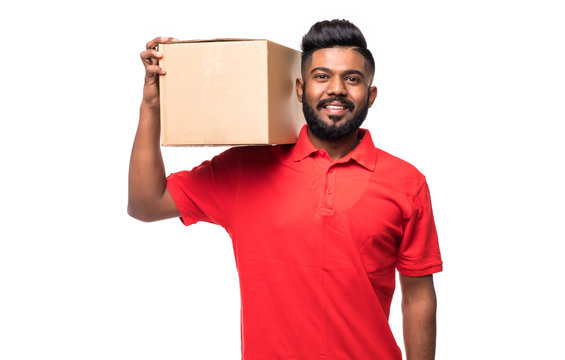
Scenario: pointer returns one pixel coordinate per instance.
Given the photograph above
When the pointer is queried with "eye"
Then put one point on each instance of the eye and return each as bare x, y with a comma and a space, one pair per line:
321, 76
353, 79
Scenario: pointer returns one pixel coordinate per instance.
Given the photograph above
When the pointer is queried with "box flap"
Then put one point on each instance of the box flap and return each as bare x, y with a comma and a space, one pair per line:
214, 40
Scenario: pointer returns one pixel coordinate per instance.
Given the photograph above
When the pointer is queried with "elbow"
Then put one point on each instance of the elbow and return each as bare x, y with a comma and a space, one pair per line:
139, 213
151, 209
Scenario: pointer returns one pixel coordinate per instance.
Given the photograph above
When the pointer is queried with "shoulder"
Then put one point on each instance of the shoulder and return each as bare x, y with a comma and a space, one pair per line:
249, 157
389, 162
398, 173
253, 151
259, 152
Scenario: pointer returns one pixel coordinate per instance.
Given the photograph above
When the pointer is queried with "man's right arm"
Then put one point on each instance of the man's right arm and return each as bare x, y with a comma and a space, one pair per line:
148, 197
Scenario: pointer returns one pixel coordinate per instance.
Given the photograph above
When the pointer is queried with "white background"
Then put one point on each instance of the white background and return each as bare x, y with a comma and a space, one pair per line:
471, 92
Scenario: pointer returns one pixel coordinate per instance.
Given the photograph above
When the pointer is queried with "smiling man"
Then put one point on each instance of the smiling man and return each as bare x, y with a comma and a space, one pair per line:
338, 81
318, 228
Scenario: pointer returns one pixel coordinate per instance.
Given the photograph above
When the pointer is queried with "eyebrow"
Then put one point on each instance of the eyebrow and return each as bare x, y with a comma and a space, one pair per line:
347, 72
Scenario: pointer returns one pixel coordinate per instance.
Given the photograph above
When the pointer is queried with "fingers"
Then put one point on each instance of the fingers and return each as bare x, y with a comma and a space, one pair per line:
158, 40
150, 57
151, 70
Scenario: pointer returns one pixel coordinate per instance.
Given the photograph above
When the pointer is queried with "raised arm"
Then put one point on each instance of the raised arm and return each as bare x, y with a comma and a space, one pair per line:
419, 316
148, 198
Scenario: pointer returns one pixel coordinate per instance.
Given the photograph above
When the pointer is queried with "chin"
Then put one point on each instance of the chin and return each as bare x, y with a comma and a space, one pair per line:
337, 120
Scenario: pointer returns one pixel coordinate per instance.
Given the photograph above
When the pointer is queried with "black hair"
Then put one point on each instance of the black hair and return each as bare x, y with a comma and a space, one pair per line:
332, 33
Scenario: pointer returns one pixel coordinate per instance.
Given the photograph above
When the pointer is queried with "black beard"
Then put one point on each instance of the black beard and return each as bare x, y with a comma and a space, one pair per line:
332, 132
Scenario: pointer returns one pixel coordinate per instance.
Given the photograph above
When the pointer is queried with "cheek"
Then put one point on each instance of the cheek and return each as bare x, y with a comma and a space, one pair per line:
313, 90
361, 98
313, 97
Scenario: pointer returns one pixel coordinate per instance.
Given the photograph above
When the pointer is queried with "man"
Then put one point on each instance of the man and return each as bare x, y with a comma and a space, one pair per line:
318, 227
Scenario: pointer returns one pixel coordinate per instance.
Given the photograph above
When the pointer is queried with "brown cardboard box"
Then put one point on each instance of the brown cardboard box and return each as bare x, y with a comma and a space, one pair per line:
229, 92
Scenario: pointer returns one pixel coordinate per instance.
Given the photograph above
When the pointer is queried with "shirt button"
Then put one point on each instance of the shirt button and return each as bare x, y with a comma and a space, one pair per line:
331, 171
330, 191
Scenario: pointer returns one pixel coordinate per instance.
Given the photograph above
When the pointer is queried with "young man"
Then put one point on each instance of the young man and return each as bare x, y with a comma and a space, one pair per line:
319, 227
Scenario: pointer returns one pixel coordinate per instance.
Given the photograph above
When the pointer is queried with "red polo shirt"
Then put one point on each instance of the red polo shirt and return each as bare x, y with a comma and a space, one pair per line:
316, 243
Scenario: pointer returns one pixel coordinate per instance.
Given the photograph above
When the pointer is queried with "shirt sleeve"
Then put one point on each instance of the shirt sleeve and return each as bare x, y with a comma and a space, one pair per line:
207, 192
418, 252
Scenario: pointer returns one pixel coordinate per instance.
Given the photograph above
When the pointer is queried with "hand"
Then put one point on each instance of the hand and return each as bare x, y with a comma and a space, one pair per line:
150, 58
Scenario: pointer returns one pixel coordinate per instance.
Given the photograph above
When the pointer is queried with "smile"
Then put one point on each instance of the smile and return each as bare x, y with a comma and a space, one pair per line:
336, 105
335, 109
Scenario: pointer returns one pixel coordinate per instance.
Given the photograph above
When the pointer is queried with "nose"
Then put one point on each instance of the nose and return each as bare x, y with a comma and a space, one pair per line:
336, 87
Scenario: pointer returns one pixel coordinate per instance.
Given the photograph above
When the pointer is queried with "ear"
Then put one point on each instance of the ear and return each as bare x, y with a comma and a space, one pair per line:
299, 88
372, 95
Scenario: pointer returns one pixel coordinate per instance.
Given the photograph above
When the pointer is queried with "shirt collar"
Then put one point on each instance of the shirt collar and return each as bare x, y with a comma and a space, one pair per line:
365, 154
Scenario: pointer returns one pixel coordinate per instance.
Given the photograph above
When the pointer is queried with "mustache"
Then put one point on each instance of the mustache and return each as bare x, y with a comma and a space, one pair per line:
346, 102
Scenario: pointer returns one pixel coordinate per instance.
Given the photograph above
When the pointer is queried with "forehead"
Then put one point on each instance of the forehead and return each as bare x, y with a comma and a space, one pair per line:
338, 59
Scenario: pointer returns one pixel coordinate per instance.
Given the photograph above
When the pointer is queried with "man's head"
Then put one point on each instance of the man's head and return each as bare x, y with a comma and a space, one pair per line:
336, 33
337, 71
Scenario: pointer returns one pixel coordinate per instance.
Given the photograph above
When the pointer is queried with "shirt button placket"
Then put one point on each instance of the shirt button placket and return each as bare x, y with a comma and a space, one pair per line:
329, 190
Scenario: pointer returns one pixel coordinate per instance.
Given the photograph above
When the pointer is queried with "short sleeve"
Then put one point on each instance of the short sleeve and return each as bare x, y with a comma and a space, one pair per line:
207, 192
418, 251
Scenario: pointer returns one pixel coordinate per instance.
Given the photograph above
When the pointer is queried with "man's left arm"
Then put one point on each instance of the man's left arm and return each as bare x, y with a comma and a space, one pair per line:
419, 316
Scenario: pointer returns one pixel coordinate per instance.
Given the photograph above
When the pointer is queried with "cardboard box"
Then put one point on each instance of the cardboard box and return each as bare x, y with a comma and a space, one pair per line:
229, 92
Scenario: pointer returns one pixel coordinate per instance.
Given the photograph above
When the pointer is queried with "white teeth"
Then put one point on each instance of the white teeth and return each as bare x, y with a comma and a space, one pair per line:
334, 107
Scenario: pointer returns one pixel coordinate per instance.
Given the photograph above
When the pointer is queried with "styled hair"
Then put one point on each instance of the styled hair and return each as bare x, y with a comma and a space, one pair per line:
333, 33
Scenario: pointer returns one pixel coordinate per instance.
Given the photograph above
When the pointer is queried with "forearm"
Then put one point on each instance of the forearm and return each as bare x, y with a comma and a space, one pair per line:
419, 323
147, 178
148, 198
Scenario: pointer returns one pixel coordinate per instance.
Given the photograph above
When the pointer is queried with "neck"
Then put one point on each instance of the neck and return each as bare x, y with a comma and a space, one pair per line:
338, 148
